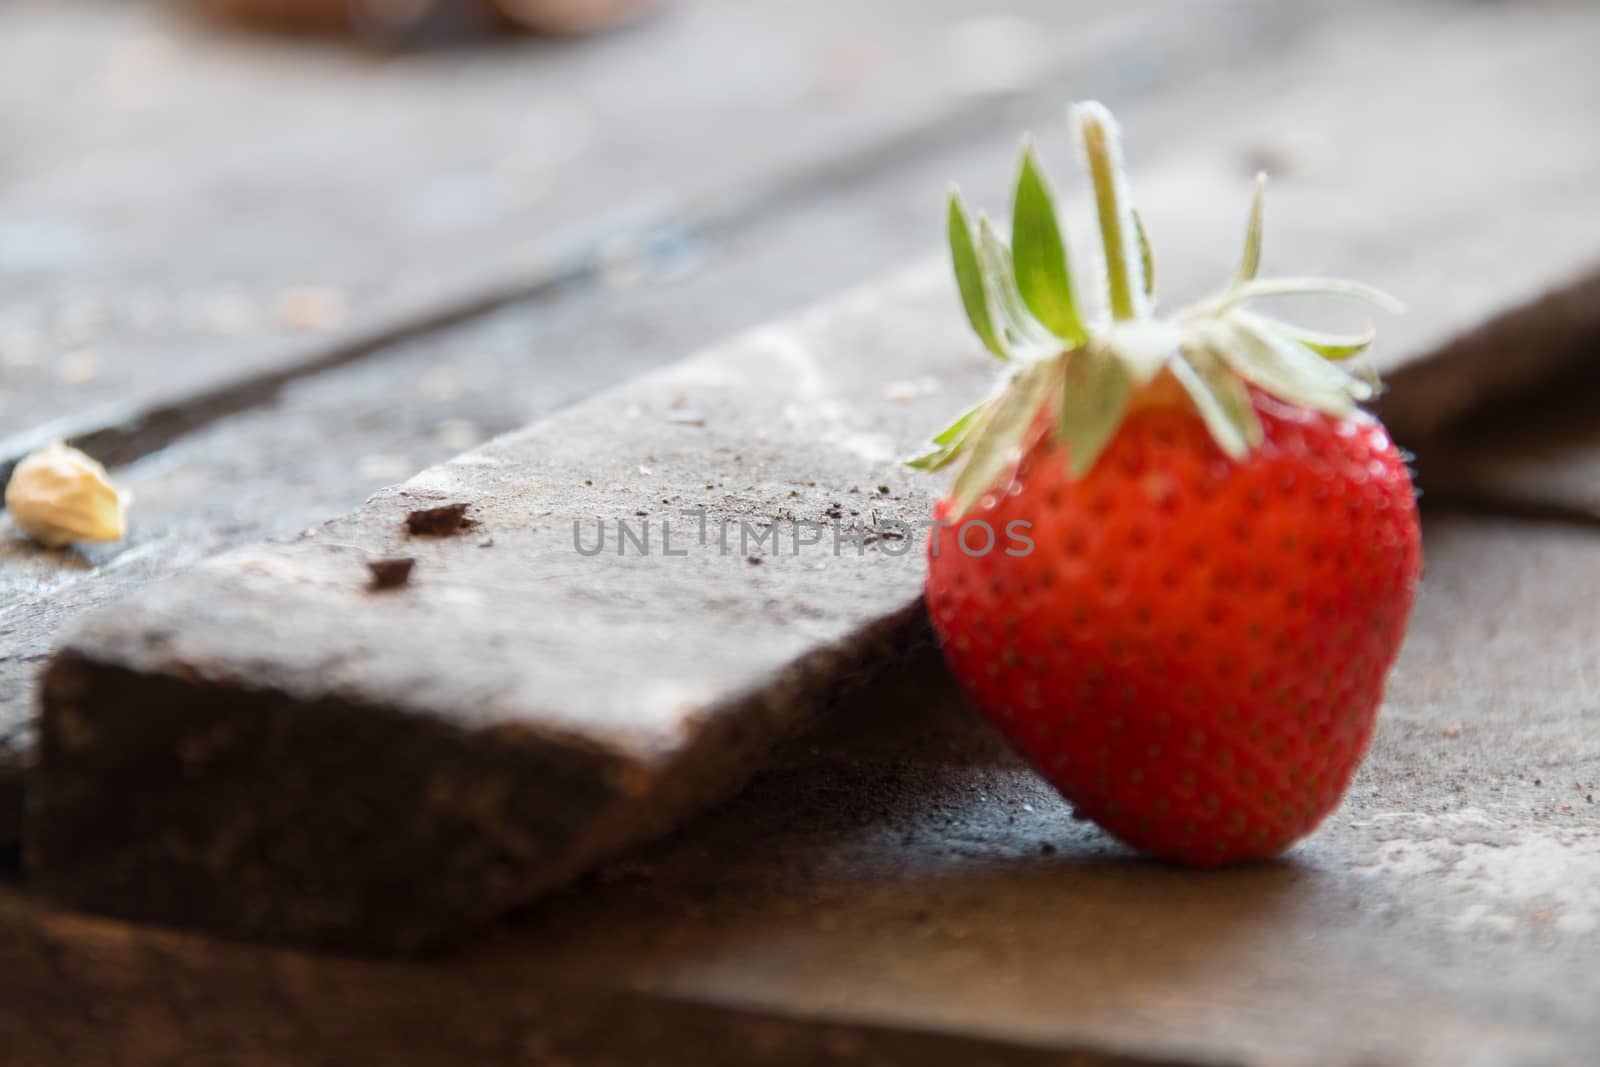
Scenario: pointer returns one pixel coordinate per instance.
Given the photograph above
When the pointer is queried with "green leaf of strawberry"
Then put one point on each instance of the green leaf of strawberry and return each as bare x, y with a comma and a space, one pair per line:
1147, 259
1024, 334
1220, 399
1043, 273
1285, 368
1250, 262
1000, 431
1094, 397
1335, 346
948, 441
970, 277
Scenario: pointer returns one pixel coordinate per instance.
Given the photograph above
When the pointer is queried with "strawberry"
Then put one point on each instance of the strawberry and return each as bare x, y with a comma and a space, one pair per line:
1177, 561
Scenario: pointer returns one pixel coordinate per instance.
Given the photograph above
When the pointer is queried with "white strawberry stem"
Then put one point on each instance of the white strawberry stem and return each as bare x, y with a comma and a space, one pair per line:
1118, 234
1259, 287
1250, 262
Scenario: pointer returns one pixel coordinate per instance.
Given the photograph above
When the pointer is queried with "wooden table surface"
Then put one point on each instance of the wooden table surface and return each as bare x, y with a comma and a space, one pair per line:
265, 278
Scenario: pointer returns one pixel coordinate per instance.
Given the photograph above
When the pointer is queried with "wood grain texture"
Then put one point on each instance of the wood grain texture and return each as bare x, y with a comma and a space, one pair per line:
898, 888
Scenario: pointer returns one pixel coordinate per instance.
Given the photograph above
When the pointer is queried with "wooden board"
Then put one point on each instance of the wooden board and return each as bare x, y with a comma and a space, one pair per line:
521, 706
899, 889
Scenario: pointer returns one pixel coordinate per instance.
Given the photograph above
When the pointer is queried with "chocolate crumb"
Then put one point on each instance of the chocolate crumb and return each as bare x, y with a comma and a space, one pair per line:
440, 521
391, 573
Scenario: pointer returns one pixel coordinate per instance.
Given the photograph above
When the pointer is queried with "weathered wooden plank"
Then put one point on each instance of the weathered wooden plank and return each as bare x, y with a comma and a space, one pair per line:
558, 704
214, 670
899, 888
159, 995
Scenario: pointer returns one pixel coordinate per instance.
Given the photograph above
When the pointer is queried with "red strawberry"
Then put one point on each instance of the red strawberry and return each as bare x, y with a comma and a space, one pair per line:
1197, 556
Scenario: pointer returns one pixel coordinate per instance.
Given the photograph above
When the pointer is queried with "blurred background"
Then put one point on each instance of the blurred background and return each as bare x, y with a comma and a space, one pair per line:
199, 193
263, 257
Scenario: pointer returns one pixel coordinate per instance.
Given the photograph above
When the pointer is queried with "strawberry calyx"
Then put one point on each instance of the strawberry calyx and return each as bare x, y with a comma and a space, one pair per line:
1078, 378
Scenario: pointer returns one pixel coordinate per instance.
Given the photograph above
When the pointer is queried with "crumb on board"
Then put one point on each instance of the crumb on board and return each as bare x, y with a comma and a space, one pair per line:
58, 495
441, 521
390, 573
